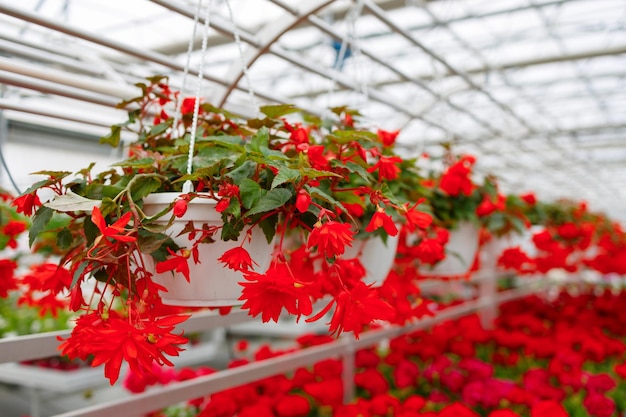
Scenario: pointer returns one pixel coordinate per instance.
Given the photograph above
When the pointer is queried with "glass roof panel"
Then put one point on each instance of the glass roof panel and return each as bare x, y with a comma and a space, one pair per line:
535, 88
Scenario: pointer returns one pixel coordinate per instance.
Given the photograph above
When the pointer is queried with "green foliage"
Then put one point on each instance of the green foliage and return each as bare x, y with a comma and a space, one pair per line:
279, 110
22, 320
271, 200
40, 221
449, 210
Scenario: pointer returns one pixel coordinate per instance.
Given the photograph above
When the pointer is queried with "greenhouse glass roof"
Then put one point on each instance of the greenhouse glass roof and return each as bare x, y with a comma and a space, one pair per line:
536, 89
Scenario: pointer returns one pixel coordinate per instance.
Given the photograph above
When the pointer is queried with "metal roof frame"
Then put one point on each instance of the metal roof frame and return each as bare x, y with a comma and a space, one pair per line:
503, 107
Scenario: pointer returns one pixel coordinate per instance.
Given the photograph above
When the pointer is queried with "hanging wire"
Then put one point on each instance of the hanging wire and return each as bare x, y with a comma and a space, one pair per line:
349, 39
179, 104
188, 185
244, 66
3, 138
356, 11
341, 56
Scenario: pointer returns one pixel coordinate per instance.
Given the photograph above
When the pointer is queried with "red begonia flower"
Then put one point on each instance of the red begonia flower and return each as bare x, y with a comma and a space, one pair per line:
238, 259
267, 294
111, 339
330, 238
26, 203
7, 277
177, 263
387, 138
387, 167
382, 219
116, 231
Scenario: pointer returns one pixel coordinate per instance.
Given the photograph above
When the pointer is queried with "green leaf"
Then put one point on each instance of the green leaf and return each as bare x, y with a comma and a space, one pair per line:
56, 175
311, 119
36, 186
91, 230
153, 242
246, 170
518, 224
496, 222
349, 197
317, 193
101, 274
114, 137
347, 136
154, 79
268, 153
230, 142
230, 232
250, 192
108, 206
158, 129
142, 186
212, 155
316, 173
278, 110
72, 202
285, 175
64, 238
135, 163
268, 225
96, 191
233, 208
386, 191
259, 123
359, 170
273, 199
260, 140
85, 172
40, 221
79, 273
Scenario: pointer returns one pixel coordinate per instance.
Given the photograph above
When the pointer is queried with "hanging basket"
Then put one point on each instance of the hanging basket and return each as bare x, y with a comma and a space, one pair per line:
376, 256
461, 251
493, 250
211, 283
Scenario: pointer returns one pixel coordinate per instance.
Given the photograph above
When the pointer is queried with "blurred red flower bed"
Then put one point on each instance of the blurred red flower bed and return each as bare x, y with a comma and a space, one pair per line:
545, 357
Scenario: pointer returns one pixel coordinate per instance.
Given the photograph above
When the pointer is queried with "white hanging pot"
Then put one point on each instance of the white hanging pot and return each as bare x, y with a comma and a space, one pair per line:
460, 253
376, 256
523, 241
211, 283
493, 250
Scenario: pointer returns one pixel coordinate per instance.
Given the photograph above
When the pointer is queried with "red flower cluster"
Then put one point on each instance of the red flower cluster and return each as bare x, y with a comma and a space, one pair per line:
456, 179
589, 242
111, 339
536, 362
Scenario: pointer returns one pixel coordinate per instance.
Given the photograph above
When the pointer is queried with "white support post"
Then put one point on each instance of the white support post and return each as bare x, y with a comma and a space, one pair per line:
348, 372
487, 294
487, 285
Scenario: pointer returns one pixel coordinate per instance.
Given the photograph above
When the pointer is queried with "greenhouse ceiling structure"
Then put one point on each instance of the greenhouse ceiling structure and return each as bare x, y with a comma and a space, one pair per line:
536, 89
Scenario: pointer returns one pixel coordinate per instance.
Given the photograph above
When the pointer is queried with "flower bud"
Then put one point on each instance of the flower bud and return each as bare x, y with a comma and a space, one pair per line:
180, 207
303, 201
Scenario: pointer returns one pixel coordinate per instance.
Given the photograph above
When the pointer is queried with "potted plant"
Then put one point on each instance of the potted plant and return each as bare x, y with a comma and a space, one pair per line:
504, 224
448, 247
277, 178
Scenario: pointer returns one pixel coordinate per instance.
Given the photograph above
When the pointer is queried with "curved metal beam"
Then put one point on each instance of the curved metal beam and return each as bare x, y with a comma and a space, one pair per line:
272, 48
261, 44
49, 87
80, 34
119, 91
267, 36
146, 55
